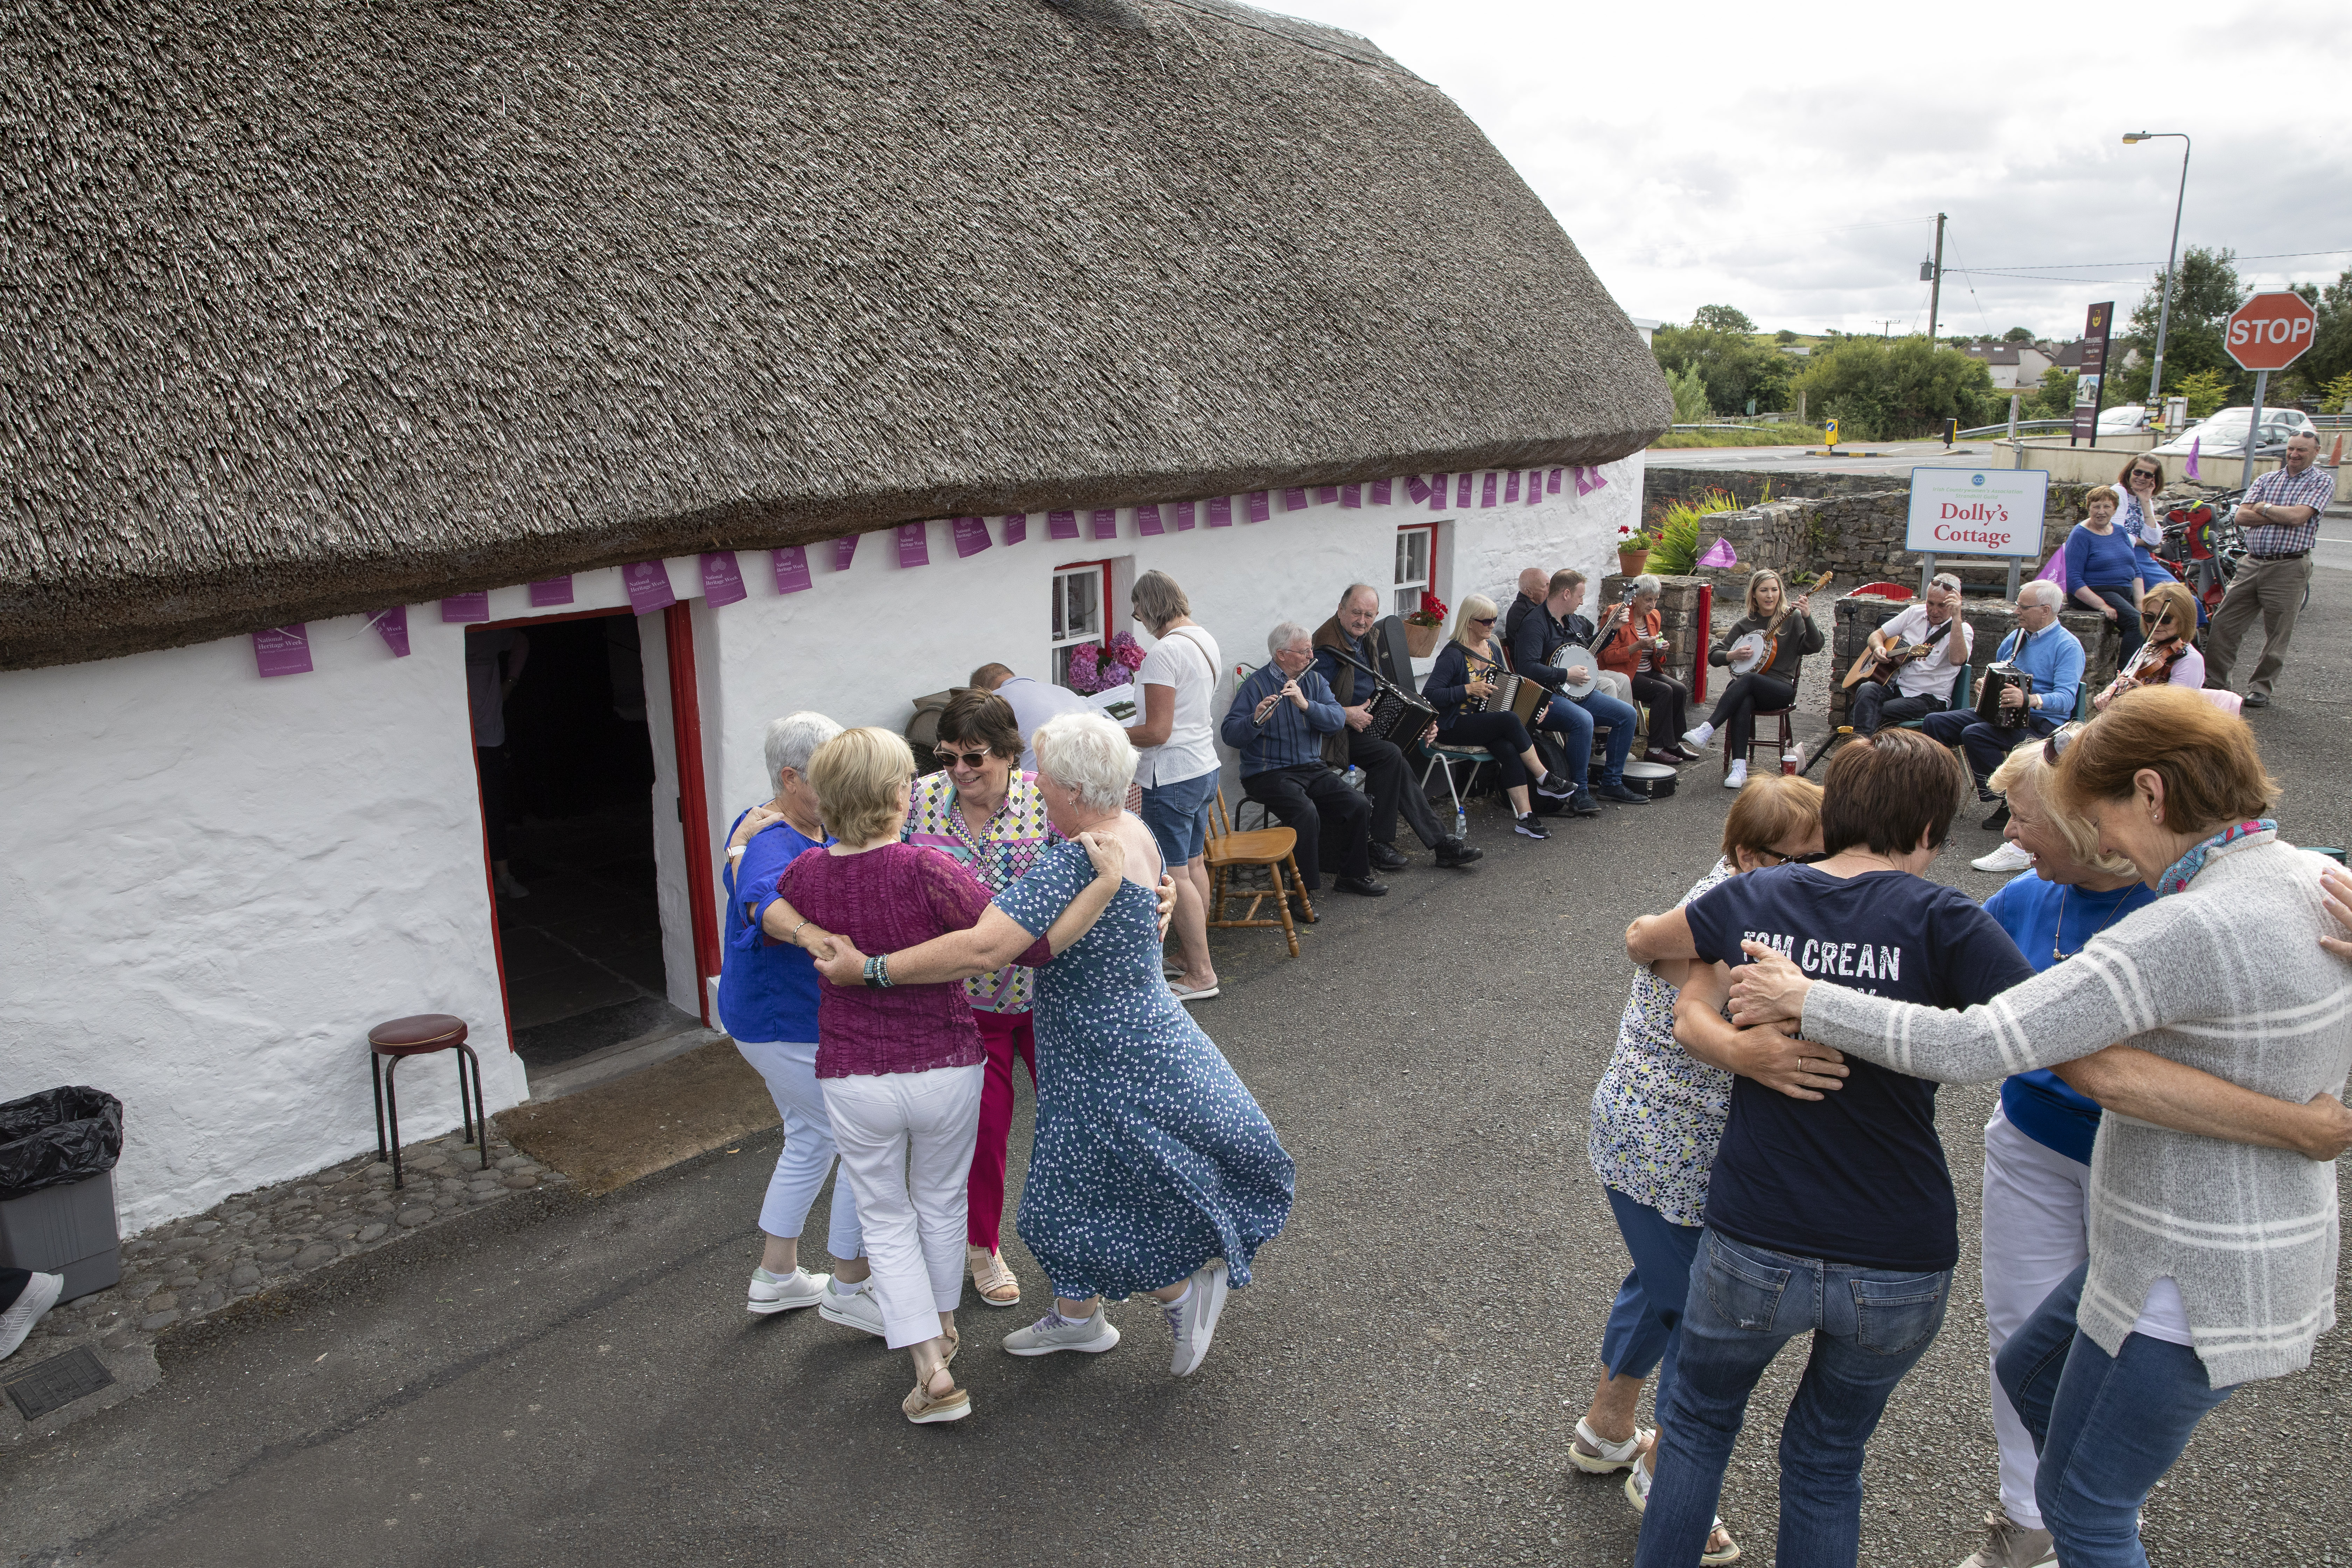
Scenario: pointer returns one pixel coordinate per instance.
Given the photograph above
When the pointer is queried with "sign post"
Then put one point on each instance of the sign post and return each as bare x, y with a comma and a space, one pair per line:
2096, 328
2268, 333
1976, 512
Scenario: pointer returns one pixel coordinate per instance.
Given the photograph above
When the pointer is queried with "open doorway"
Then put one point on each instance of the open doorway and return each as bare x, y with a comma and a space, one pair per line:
567, 806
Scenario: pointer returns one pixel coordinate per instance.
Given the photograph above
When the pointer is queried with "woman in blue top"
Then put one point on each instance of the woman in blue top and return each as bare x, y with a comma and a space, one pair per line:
2103, 570
767, 1002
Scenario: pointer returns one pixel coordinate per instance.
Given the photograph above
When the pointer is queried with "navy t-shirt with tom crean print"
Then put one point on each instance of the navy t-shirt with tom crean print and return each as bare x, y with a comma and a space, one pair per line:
1857, 1176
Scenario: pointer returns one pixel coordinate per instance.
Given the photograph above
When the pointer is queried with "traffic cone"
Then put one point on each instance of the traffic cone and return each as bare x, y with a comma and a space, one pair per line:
2336, 458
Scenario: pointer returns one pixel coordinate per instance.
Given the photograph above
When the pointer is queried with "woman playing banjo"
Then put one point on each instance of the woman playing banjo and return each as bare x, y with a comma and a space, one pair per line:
1763, 650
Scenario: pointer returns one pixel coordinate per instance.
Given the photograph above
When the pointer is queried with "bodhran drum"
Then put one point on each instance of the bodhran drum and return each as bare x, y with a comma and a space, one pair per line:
1654, 779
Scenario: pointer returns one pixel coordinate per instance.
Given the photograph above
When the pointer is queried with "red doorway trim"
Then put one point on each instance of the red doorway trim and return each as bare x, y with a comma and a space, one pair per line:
693, 812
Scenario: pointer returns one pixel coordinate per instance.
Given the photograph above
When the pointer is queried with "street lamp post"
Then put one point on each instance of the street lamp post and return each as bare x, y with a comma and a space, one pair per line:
2172, 260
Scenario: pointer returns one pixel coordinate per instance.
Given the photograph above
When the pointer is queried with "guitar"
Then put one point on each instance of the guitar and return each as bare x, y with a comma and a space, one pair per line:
1881, 664
1758, 649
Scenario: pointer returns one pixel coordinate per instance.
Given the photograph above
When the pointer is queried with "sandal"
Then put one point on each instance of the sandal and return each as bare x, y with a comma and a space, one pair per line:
923, 1407
997, 1285
955, 1343
1637, 1493
1606, 1457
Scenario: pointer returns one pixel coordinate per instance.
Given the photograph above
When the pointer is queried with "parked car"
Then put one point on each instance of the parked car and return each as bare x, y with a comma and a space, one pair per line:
2224, 434
2123, 419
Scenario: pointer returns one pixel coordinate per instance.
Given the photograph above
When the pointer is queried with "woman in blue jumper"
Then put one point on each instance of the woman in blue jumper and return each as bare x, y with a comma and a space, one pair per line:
2103, 570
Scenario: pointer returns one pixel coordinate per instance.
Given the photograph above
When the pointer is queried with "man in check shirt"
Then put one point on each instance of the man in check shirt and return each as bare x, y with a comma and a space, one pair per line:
2280, 519
1924, 686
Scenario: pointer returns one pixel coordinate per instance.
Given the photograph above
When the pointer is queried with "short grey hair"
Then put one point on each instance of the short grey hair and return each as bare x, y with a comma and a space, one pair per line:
1356, 588
1946, 581
1647, 582
2042, 590
1089, 755
1158, 599
1284, 635
793, 739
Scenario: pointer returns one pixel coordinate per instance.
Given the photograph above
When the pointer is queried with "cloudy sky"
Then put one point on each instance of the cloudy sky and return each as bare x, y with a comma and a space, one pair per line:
1789, 160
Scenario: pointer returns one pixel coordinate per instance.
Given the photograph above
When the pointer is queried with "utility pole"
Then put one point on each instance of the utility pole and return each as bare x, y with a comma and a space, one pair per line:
2171, 262
1936, 290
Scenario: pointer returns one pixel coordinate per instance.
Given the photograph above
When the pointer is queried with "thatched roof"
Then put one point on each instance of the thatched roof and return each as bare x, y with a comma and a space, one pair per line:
310, 308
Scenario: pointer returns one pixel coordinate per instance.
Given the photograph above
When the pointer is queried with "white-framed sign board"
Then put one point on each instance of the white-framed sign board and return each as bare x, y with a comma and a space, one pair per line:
1977, 512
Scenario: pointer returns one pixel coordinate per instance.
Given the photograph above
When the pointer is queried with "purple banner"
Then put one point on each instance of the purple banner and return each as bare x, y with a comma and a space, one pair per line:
1418, 489
1183, 510
722, 579
391, 625
1437, 483
465, 608
550, 592
1553, 486
1061, 525
1260, 506
971, 536
1584, 485
1104, 522
1487, 491
1351, 496
1294, 499
844, 550
1147, 519
1221, 511
1462, 490
1511, 488
648, 585
1535, 486
1382, 492
1599, 479
914, 544
1016, 527
282, 650
792, 568
1326, 494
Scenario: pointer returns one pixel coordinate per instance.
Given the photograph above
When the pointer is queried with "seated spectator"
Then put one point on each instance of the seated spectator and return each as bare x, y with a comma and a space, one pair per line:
1388, 780
2104, 569
1922, 686
2042, 648
1543, 633
1534, 584
1033, 703
1277, 722
1458, 685
2168, 654
1633, 648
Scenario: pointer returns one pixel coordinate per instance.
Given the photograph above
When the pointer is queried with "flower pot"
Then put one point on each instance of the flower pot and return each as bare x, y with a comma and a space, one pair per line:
1630, 561
1422, 641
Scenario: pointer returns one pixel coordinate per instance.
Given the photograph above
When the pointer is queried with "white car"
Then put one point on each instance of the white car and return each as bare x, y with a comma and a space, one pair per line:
2224, 434
2123, 419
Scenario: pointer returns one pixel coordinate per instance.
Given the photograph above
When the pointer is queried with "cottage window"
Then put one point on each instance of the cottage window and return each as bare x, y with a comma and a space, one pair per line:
1417, 565
1080, 591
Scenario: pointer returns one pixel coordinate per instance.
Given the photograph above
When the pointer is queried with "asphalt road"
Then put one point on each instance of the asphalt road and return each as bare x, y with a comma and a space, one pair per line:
560, 1379
1855, 457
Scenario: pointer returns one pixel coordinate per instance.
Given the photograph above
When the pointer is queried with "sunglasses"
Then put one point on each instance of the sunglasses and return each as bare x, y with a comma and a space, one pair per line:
1482, 620
2146, 474
972, 760
1779, 859
2055, 746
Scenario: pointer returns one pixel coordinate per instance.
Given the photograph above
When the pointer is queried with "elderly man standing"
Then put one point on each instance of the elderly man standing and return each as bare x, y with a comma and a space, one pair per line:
1552, 627
2280, 519
1277, 722
1923, 684
2042, 648
1348, 635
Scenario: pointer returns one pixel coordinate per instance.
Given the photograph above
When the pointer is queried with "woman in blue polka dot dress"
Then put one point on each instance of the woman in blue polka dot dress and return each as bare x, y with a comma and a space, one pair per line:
1152, 1169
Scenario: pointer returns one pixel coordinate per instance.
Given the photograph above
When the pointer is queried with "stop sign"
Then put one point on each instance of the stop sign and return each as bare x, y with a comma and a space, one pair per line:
2270, 331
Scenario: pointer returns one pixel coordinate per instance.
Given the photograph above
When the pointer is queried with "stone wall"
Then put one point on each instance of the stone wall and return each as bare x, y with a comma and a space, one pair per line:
1989, 620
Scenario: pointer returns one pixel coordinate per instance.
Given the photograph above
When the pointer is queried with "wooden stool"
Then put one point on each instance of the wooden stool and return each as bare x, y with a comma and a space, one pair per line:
1268, 848
414, 1036
1787, 744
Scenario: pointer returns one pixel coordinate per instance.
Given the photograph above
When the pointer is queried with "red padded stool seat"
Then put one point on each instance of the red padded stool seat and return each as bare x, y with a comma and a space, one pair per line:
421, 1034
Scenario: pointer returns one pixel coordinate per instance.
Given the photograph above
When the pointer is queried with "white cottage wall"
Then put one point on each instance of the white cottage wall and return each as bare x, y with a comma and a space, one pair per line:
215, 883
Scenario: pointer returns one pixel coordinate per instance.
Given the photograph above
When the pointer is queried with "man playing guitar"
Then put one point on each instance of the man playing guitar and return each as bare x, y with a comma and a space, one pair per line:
1899, 682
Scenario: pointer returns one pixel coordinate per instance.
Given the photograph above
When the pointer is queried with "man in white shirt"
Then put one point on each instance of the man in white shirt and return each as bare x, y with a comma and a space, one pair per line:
1033, 703
1923, 684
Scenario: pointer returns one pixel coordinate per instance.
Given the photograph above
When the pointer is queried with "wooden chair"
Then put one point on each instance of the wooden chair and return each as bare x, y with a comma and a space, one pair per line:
1270, 849
1787, 742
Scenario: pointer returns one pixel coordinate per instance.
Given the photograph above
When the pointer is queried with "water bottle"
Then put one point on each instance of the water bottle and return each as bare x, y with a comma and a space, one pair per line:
1461, 823
1353, 778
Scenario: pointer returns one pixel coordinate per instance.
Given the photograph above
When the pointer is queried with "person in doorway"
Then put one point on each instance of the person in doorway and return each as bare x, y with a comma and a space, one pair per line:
2039, 647
26, 1298
1634, 647
1178, 765
1657, 1116
1768, 687
1925, 684
1278, 718
494, 665
1153, 1171
2104, 569
768, 1005
1033, 703
1343, 651
1458, 685
1553, 625
901, 1065
2280, 519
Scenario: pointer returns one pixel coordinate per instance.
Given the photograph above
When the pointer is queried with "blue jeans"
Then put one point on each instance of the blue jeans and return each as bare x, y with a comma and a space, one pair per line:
1641, 1338
1575, 720
1868, 1326
2107, 1428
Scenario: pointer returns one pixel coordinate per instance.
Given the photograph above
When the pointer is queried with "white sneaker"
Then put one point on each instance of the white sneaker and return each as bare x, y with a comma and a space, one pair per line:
1736, 776
2008, 858
39, 1294
1699, 737
781, 1293
2008, 1544
857, 1309
1193, 1319
1053, 1332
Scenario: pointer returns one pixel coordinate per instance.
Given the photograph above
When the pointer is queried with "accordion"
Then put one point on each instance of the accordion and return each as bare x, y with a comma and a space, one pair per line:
1399, 716
1998, 679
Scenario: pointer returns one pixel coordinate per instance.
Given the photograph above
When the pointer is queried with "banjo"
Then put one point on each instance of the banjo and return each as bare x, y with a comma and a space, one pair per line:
1756, 650
1568, 656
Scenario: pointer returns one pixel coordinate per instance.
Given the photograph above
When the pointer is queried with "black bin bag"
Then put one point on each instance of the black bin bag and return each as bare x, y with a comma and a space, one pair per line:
58, 1136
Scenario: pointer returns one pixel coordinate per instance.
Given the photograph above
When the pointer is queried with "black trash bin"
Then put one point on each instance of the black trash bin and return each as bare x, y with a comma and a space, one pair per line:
57, 1151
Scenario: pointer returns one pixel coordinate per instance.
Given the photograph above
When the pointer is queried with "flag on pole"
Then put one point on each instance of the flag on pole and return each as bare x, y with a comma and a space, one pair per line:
2194, 442
1719, 553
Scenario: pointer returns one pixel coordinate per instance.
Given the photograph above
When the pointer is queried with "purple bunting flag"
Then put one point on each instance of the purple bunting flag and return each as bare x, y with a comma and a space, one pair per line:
1147, 519
844, 550
971, 536
1326, 494
914, 544
1511, 488
1417, 488
1462, 490
792, 568
1584, 484
1061, 525
549, 592
1261, 506
465, 608
1351, 496
1294, 499
1221, 511
722, 578
391, 625
1184, 513
1535, 486
1105, 521
1016, 527
1437, 487
648, 585
1487, 491
1553, 486
1383, 492
282, 650
1599, 479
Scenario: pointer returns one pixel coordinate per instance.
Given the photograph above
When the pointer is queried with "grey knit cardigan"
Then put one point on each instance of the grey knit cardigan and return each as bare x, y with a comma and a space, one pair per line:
2228, 976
